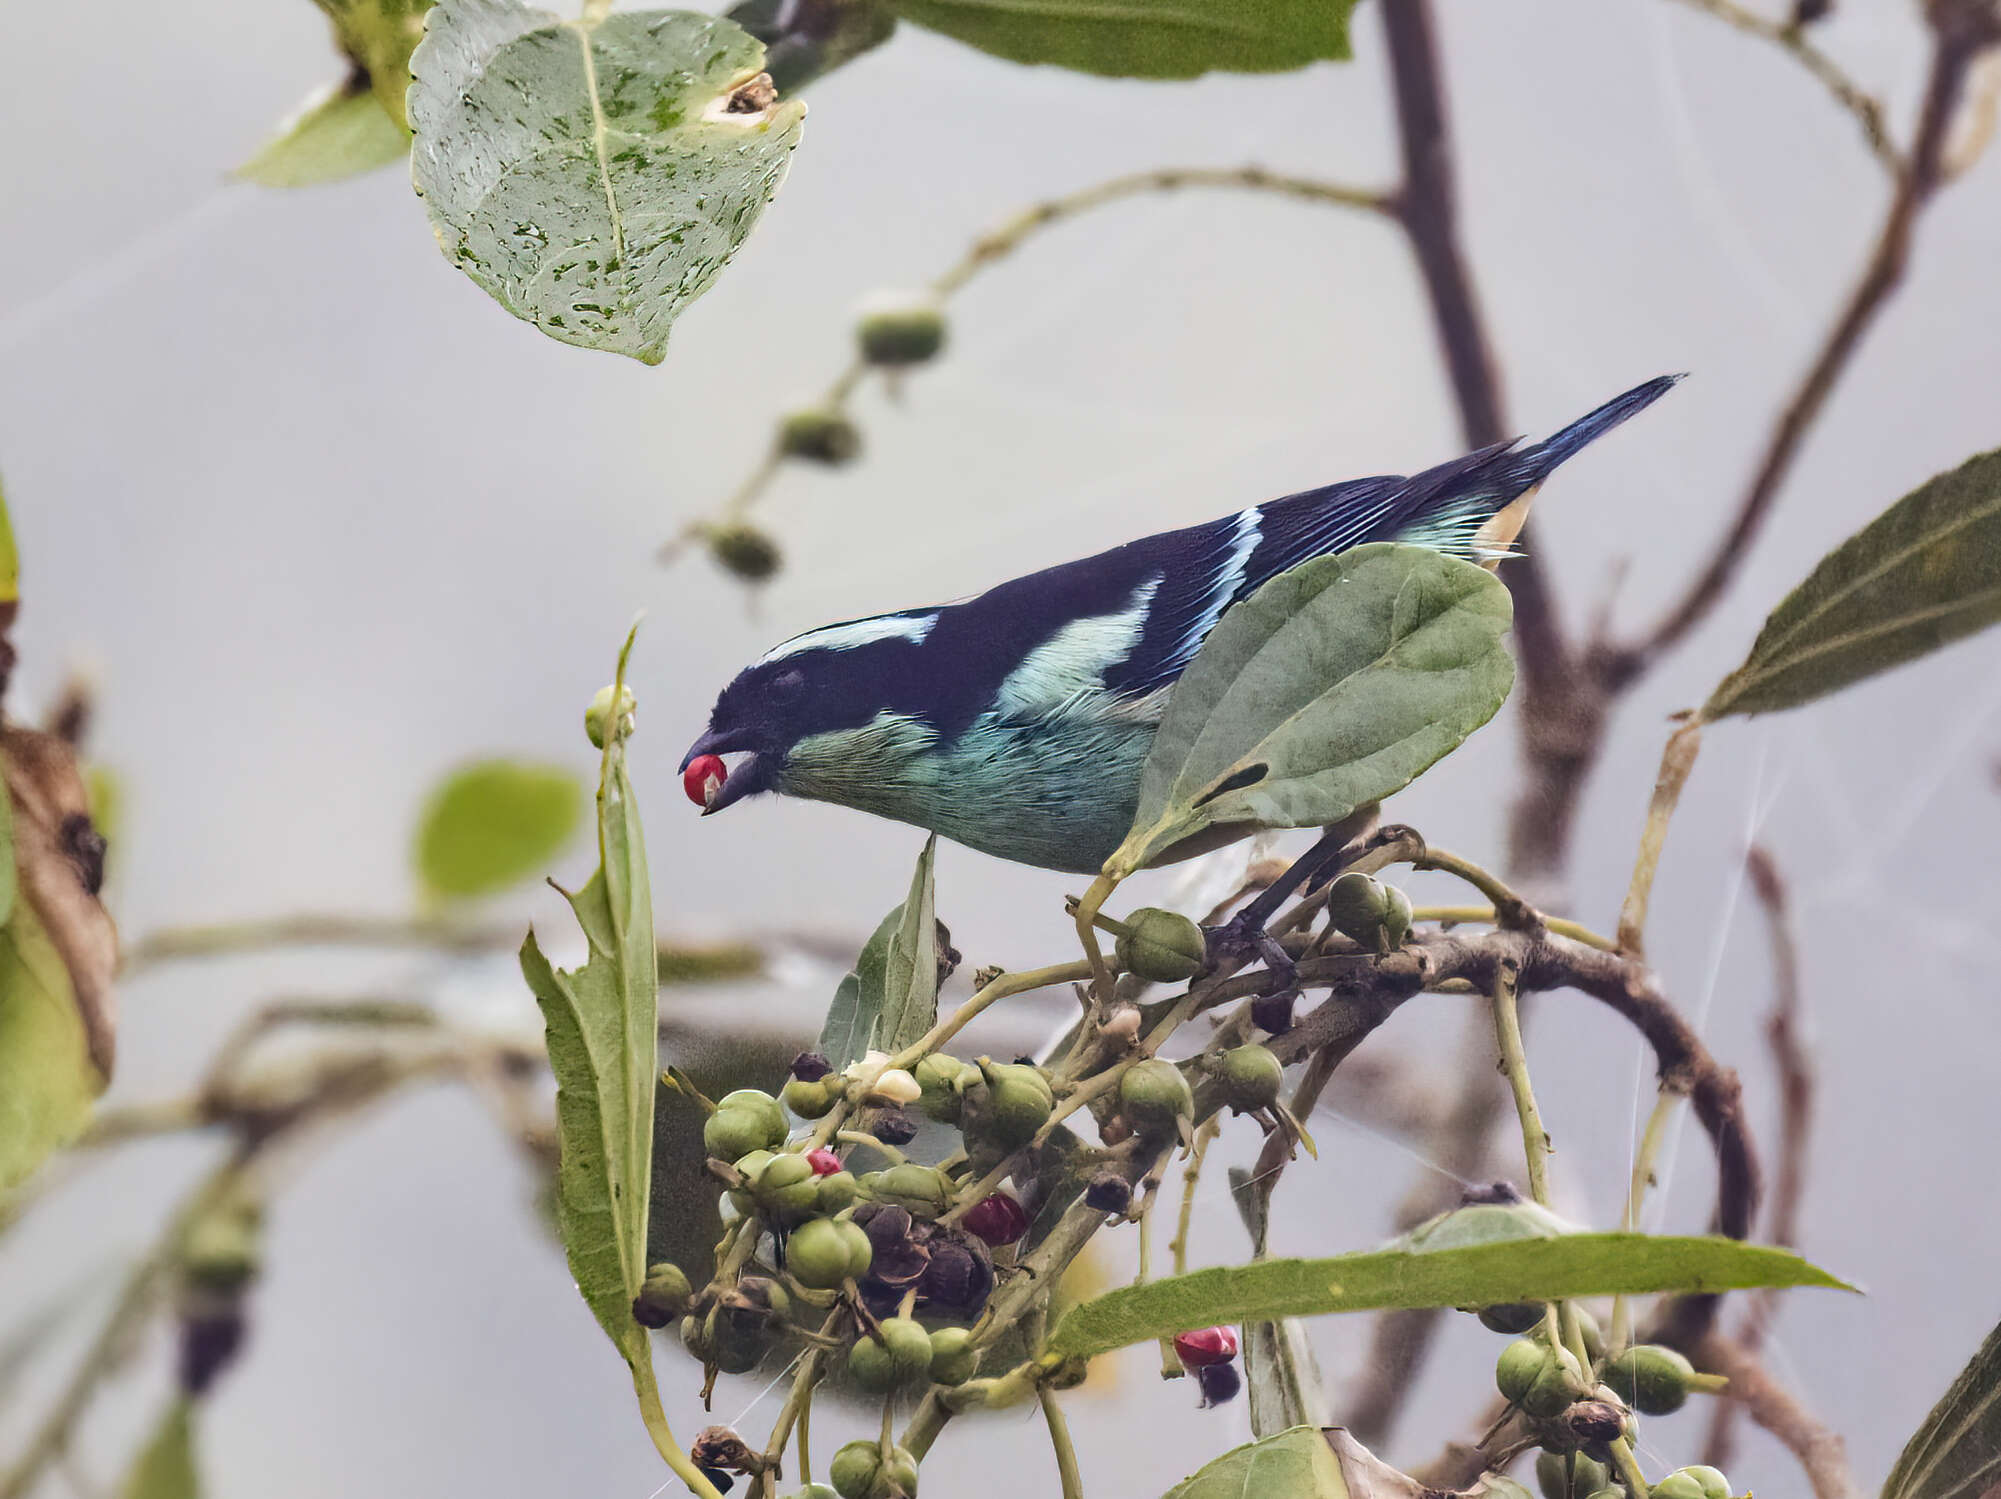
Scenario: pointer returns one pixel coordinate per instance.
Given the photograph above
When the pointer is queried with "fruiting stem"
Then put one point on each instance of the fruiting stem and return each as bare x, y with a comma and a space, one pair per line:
1453, 915
1087, 916
798, 1406
1514, 1061
1652, 1138
1677, 759
640, 1359
856, 1137
1178, 1246
1628, 1466
1059, 1438
806, 1436
888, 1426
1510, 910
1007, 985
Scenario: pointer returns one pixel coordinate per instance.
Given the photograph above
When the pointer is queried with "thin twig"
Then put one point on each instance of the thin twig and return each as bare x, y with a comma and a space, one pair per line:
1677, 760
1059, 1438
1821, 1452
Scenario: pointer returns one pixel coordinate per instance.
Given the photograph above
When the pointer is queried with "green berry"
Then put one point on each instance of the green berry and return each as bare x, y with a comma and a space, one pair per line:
731, 1134
942, 1082
599, 716
1553, 1391
921, 1191
1651, 1379
1250, 1078
1517, 1368
1678, 1485
1164, 947
760, 1105
900, 1360
814, 1491
953, 1357
1012, 1106
1714, 1485
814, 1100
1363, 908
1513, 1317
898, 329
745, 551
1569, 1476
1154, 1098
861, 1253
855, 1469
663, 1296
818, 1254
837, 1192
819, 434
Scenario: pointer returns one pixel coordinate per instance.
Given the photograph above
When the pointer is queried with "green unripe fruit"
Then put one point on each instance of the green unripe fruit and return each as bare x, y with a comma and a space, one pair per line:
921, 1191
814, 1100
695, 1336
1517, 1368
837, 1192
861, 1253
1569, 1477
1651, 1379
1373, 914
782, 1171
898, 1476
1250, 1078
663, 1296
1610, 1491
745, 551
759, 1105
1500, 1486
1711, 1480
1552, 1392
819, 1255
732, 1134
814, 1491
859, 1472
1154, 1098
953, 1356
1012, 1106
1514, 1317
942, 1082
900, 329
600, 716
1164, 947
901, 1359
819, 434
1678, 1485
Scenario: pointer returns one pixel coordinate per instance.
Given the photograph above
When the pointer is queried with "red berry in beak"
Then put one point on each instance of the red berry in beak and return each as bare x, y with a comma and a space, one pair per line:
703, 779
823, 1162
1205, 1346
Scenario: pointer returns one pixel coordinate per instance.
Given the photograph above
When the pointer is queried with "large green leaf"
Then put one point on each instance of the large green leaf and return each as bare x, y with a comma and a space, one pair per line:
1477, 1275
1295, 1464
1146, 38
494, 824
341, 132
1332, 686
1924, 573
891, 999
165, 1467
47, 1080
602, 1021
594, 175
1956, 1453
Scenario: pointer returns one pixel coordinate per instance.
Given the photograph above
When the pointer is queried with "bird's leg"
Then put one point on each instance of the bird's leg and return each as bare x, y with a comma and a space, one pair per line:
1244, 936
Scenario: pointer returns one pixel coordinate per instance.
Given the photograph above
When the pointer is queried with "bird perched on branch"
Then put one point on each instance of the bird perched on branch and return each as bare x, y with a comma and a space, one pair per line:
1017, 722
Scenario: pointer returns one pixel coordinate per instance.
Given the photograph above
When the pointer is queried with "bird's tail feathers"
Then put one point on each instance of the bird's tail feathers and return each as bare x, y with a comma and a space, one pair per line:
1547, 454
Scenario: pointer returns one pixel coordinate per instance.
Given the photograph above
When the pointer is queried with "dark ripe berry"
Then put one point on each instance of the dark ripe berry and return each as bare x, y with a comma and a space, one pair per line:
1595, 1422
722, 1481
1654, 1379
893, 1126
823, 1161
1512, 1317
704, 778
211, 1337
1205, 1346
1219, 1384
998, 1219
662, 1297
745, 551
1272, 1013
960, 1275
810, 1067
1108, 1193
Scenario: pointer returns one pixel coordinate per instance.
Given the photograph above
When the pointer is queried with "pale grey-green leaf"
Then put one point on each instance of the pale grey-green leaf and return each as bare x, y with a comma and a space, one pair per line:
1295, 1464
1334, 685
1146, 38
341, 132
1956, 1452
1924, 573
165, 1466
891, 998
593, 176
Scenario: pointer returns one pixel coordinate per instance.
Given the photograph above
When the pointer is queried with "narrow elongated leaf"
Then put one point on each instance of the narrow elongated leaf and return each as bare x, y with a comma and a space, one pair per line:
494, 824
1924, 573
601, 1022
1295, 1464
1477, 1275
594, 176
891, 999
1146, 38
1332, 686
341, 132
1281, 1375
165, 1467
1956, 1453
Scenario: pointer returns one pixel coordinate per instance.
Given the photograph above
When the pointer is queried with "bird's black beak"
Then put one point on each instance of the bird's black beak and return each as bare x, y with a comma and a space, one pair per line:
747, 770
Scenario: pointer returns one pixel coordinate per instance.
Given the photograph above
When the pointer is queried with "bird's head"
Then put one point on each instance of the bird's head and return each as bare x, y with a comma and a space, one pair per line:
817, 716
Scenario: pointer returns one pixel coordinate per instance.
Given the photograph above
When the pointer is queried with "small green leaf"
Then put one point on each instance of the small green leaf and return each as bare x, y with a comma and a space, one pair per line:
494, 824
602, 1021
891, 999
594, 175
1146, 38
805, 42
341, 132
1477, 1275
165, 1467
1924, 573
47, 1080
1332, 686
1956, 1453
1295, 1464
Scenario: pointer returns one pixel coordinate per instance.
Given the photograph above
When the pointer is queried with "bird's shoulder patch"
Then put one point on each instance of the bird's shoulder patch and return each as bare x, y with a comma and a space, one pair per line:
911, 625
1067, 672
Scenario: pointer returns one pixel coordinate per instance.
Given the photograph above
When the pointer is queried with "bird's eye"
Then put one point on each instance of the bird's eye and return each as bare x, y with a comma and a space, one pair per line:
788, 683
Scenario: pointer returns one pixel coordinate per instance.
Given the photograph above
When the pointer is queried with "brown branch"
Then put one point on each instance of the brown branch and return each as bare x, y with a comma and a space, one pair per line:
1796, 1091
1820, 1451
1960, 36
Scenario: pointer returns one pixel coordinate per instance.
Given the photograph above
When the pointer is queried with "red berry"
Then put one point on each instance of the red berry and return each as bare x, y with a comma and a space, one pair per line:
1205, 1346
998, 1219
823, 1162
703, 778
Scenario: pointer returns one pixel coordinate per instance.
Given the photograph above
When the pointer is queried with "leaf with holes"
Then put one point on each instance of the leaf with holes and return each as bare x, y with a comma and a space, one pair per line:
1146, 38
1332, 686
1957, 1451
1924, 573
601, 1022
594, 175
891, 999
1525, 1269
494, 824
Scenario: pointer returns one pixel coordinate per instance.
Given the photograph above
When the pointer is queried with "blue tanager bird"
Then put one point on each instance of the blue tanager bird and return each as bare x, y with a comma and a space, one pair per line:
1016, 722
